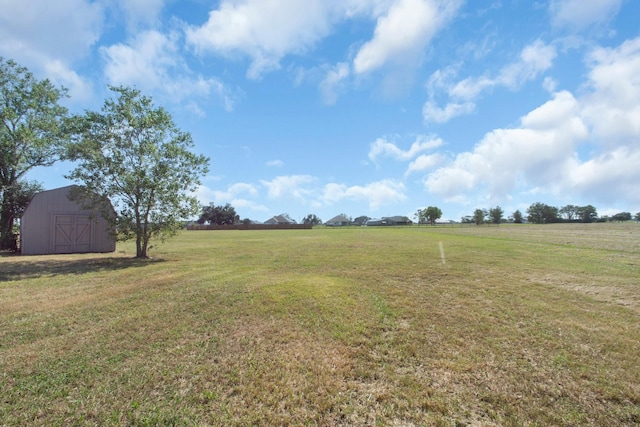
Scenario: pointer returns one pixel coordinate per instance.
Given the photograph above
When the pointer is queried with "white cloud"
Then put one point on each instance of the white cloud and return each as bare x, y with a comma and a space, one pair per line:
403, 32
612, 107
33, 30
138, 13
434, 114
383, 148
80, 88
424, 162
538, 152
152, 61
275, 163
248, 204
544, 153
265, 31
333, 82
580, 14
377, 194
611, 177
268, 31
534, 59
239, 195
471, 87
297, 186
31, 34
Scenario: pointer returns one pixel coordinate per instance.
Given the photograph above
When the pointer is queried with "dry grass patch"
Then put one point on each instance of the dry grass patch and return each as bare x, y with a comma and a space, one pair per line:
328, 327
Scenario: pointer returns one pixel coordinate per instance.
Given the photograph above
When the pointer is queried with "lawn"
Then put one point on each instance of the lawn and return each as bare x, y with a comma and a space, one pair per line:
449, 326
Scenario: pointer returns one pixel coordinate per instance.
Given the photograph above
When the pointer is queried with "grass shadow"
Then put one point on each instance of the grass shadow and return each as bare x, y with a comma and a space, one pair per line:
30, 269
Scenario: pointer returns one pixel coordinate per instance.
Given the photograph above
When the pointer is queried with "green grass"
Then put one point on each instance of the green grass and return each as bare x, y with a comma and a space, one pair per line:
521, 325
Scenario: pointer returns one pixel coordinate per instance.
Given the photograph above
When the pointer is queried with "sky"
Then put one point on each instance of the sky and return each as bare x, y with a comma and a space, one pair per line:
364, 107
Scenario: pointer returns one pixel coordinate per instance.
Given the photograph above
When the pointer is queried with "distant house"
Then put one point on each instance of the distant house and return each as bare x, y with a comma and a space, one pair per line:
55, 224
398, 220
389, 220
338, 221
280, 219
361, 220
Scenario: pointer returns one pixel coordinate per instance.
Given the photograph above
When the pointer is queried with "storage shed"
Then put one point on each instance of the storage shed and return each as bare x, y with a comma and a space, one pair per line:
55, 224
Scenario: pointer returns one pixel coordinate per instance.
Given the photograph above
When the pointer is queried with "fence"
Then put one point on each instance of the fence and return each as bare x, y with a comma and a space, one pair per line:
250, 227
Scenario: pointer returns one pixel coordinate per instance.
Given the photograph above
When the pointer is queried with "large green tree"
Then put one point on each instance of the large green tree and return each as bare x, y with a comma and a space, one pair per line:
219, 215
478, 216
540, 213
430, 215
587, 213
517, 217
31, 135
496, 214
133, 153
569, 212
621, 216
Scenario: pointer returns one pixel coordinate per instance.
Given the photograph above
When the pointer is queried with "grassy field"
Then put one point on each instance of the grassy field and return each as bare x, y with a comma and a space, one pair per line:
509, 325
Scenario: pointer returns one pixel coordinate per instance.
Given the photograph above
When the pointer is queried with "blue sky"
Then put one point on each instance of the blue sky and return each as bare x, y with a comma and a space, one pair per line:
365, 107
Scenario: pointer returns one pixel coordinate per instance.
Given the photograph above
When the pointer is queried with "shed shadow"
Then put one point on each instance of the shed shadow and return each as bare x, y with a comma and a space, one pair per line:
23, 268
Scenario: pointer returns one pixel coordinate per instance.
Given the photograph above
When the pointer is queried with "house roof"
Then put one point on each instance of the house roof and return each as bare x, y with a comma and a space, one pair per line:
338, 219
280, 219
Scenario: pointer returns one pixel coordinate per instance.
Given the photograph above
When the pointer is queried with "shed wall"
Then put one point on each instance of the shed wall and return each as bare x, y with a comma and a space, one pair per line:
54, 224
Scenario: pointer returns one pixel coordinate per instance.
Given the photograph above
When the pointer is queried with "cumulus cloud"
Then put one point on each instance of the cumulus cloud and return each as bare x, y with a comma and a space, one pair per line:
424, 162
333, 82
239, 195
383, 148
612, 106
580, 14
275, 163
611, 177
538, 151
137, 13
152, 61
83, 22
265, 31
434, 114
585, 146
611, 109
34, 38
534, 59
268, 31
403, 32
297, 186
377, 194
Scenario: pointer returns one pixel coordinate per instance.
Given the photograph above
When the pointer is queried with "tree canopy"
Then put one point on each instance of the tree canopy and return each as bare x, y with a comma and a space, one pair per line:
517, 217
133, 153
587, 213
430, 215
478, 216
496, 215
621, 216
540, 213
219, 215
32, 132
312, 219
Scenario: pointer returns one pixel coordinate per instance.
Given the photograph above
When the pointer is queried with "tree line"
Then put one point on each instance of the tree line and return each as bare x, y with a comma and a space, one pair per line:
541, 213
130, 152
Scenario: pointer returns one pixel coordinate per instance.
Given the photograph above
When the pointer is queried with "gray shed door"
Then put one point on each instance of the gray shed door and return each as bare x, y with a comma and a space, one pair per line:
71, 233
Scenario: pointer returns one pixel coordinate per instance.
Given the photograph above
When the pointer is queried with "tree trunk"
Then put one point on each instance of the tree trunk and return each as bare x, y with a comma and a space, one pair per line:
141, 247
7, 238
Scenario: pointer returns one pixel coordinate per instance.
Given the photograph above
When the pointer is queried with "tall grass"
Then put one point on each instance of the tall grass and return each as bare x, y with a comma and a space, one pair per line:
522, 325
